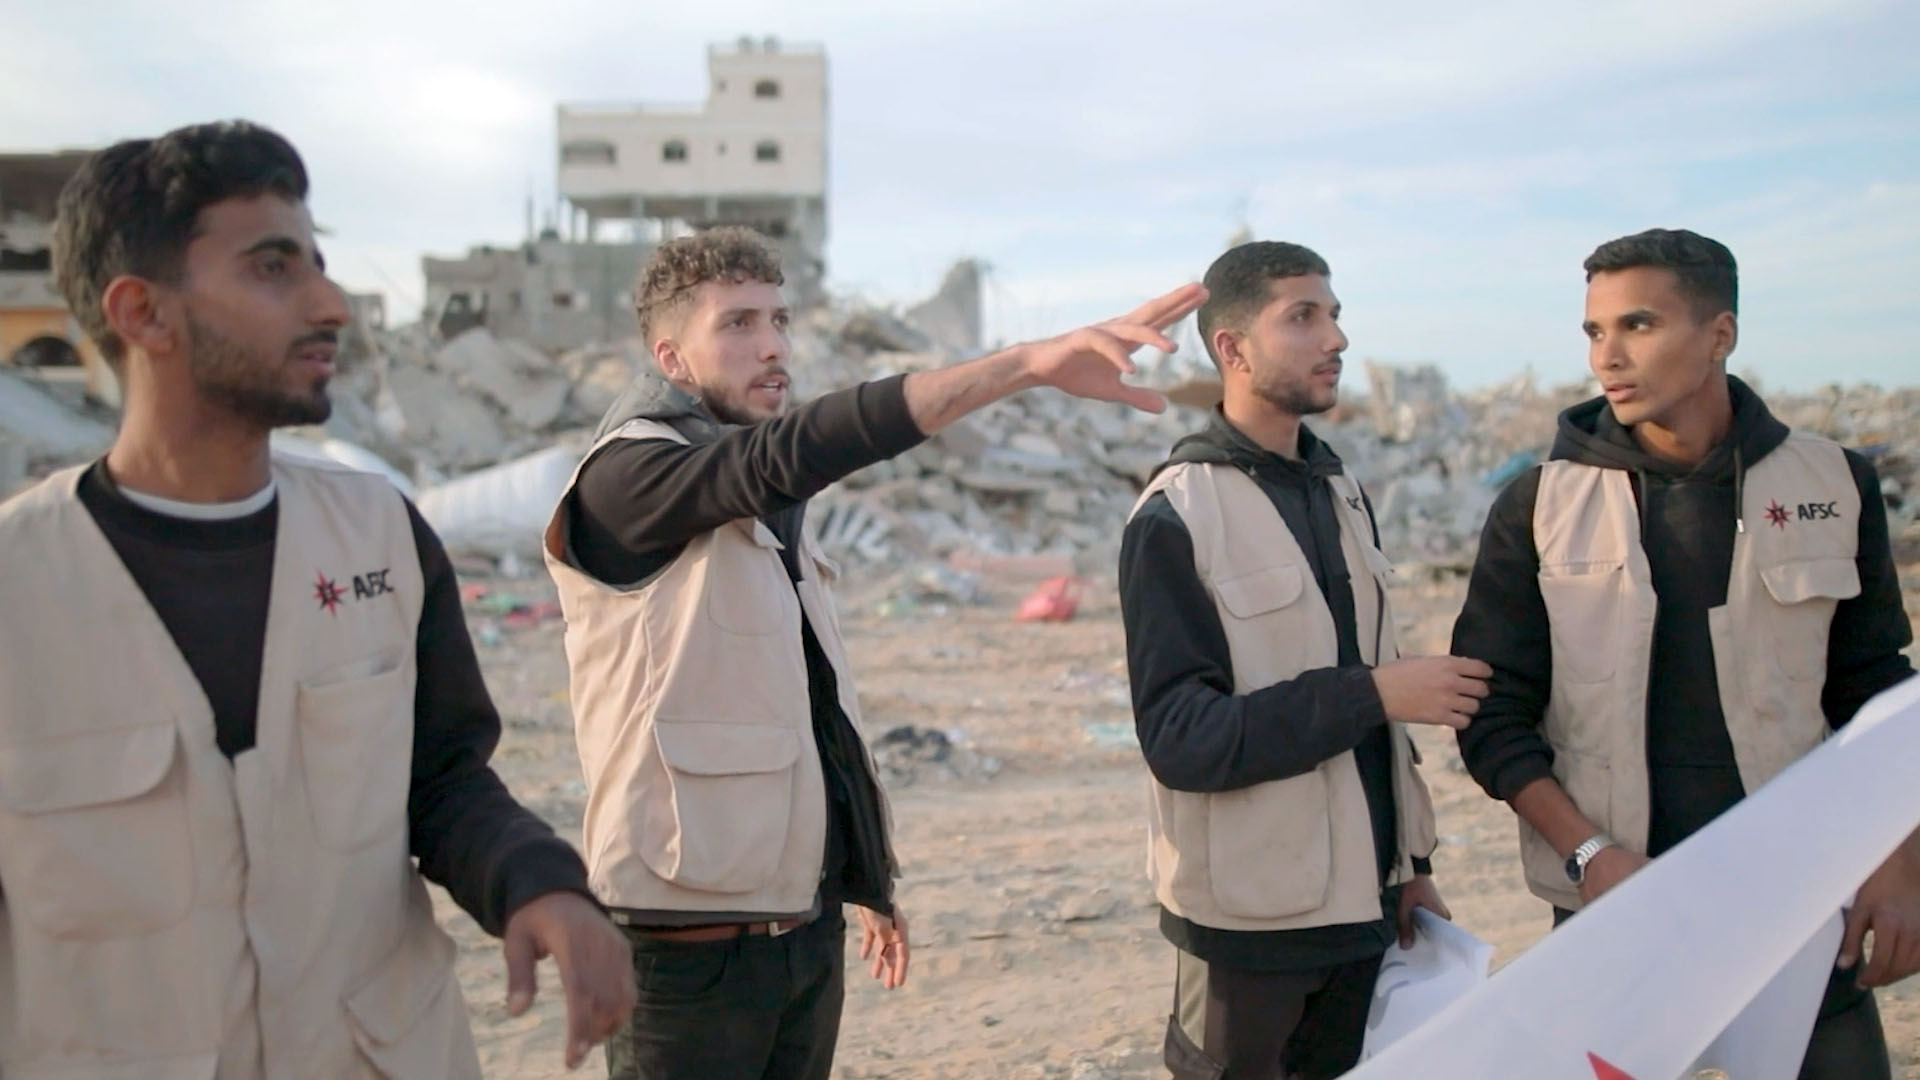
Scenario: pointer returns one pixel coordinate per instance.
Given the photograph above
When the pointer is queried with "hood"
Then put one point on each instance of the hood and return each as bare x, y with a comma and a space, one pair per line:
651, 397
1589, 435
1220, 443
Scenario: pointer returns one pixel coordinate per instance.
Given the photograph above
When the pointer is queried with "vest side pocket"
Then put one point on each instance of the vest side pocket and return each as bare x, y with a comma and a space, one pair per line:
408, 1017
1585, 603
715, 812
1270, 847
95, 842
356, 748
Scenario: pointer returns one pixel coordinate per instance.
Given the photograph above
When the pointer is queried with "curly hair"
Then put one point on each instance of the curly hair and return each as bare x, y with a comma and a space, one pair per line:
132, 208
730, 253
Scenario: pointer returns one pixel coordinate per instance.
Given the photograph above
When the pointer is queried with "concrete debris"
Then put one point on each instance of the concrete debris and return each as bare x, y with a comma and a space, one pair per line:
44, 428
1031, 487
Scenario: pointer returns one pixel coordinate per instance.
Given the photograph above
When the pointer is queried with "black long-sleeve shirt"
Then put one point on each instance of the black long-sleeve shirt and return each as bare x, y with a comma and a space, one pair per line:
1688, 521
210, 582
1198, 735
639, 502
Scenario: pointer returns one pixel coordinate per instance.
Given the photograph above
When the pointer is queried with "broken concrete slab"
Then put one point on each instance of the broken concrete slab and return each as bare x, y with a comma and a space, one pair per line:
45, 427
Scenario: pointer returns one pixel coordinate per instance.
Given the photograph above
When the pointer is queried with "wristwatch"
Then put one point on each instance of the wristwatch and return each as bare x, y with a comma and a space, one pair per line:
1582, 855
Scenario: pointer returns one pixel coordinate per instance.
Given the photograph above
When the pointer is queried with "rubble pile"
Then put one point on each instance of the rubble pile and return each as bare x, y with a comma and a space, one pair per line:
488, 430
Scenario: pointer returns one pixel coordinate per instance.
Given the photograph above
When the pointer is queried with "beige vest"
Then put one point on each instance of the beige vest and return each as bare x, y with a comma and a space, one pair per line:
168, 915
1294, 853
704, 790
1793, 562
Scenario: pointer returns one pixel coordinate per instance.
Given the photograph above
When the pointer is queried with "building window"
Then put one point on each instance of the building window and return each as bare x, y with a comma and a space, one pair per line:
587, 152
767, 150
766, 88
673, 150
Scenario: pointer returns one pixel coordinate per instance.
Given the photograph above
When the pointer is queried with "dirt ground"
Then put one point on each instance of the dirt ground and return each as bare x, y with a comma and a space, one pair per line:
1035, 947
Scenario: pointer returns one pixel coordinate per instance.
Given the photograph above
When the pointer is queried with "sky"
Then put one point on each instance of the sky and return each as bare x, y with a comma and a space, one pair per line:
1453, 163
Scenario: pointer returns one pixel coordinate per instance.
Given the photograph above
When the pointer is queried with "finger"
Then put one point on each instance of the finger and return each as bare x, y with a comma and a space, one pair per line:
1890, 947
867, 940
1166, 309
1474, 688
1473, 669
906, 957
520, 950
1115, 351
1465, 706
1438, 906
1138, 335
1858, 920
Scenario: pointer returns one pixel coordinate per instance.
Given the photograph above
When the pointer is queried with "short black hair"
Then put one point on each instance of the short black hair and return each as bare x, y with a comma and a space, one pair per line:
1237, 283
1709, 278
133, 207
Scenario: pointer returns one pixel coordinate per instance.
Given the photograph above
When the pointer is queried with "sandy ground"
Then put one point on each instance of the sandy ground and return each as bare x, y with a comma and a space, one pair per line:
1036, 952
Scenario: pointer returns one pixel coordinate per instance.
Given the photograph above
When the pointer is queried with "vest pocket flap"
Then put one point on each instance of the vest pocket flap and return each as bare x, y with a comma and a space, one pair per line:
1812, 579
726, 749
91, 768
1262, 591
411, 977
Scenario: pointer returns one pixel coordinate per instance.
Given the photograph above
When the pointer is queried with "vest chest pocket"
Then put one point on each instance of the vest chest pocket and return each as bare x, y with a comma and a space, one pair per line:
1585, 602
1249, 596
95, 841
716, 820
748, 591
356, 741
1804, 593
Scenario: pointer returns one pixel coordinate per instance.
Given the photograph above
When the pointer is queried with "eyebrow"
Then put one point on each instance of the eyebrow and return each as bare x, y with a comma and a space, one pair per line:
729, 314
284, 245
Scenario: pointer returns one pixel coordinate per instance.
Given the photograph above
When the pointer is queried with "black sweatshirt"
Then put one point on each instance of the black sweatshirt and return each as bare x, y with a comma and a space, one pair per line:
1688, 524
1198, 735
210, 583
639, 502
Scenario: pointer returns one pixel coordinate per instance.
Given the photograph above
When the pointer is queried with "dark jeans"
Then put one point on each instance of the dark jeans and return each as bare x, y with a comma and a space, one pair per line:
1237, 1024
1847, 1042
749, 1008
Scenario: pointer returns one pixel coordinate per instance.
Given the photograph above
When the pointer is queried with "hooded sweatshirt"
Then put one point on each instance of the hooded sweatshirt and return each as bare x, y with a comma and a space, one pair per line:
1197, 735
1688, 519
639, 502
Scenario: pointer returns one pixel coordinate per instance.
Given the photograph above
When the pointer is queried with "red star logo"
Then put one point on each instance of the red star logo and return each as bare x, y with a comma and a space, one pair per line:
1776, 514
325, 591
1604, 1070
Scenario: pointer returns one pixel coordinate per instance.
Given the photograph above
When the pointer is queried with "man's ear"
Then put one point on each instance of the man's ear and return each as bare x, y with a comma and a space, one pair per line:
140, 315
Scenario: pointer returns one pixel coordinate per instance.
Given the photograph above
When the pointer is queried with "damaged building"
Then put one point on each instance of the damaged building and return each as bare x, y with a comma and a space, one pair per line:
36, 330
753, 153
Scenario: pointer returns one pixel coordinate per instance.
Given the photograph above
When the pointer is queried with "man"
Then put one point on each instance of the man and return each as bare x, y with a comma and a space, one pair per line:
732, 805
1289, 831
237, 696
1681, 602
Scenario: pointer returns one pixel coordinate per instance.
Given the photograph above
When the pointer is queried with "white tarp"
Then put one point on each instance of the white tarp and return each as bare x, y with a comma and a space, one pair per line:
1645, 981
502, 510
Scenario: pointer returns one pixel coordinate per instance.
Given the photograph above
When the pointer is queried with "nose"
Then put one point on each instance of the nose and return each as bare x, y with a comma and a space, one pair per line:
1606, 354
775, 348
1339, 342
331, 308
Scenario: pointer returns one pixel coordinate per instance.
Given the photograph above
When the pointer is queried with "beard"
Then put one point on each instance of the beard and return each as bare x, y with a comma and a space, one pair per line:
244, 382
730, 407
1297, 396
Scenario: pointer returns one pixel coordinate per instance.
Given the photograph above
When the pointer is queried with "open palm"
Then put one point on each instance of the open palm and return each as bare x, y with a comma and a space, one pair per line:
1091, 362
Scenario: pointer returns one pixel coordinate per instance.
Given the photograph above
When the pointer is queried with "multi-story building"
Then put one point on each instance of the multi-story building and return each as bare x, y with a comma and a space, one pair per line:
754, 153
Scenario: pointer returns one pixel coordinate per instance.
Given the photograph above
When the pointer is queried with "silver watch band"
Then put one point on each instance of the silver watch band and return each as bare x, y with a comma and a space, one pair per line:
1594, 845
